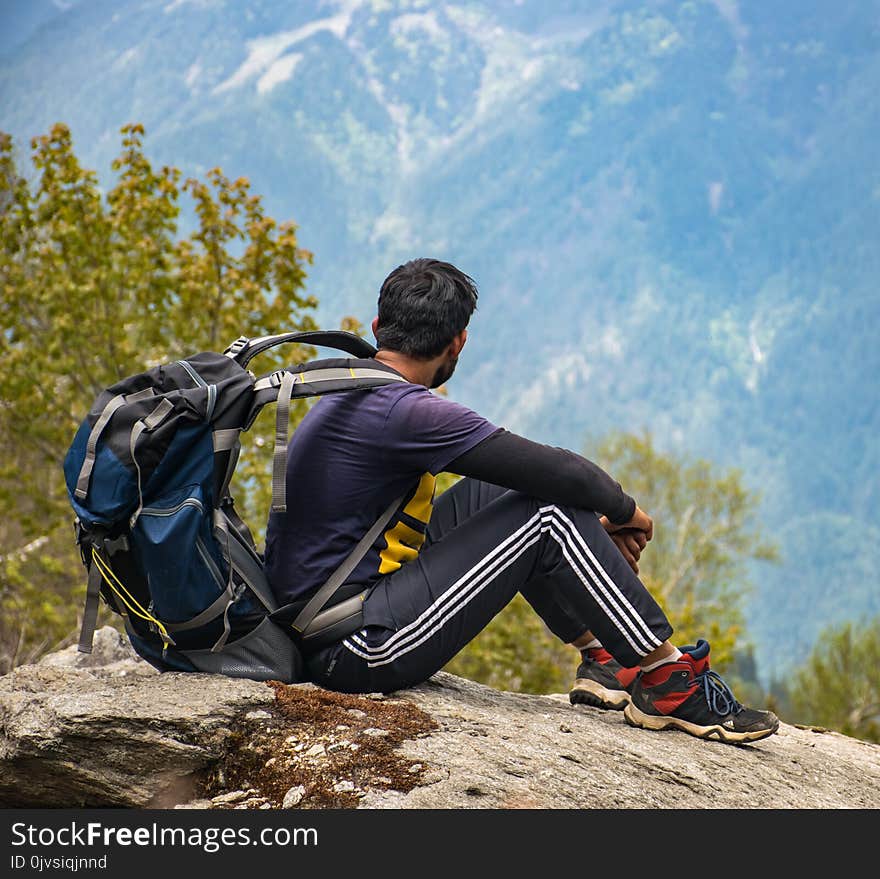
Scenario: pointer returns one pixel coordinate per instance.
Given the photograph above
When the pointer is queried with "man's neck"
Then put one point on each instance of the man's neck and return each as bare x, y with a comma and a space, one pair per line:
419, 372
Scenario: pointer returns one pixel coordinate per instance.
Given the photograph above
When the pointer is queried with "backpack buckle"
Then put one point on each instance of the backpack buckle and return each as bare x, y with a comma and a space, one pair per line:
111, 547
237, 347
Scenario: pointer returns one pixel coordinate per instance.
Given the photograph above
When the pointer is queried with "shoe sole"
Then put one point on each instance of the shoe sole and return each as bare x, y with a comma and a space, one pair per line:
588, 692
636, 717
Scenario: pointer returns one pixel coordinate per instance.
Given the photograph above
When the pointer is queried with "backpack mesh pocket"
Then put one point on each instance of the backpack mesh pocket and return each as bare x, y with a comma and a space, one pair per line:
176, 548
266, 653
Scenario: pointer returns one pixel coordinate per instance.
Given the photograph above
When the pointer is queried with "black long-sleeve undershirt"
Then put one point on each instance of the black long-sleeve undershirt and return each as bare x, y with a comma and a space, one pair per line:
556, 475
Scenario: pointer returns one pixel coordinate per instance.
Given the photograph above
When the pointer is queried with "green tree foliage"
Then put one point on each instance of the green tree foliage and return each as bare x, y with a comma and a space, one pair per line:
518, 653
96, 287
839, 686
704, 535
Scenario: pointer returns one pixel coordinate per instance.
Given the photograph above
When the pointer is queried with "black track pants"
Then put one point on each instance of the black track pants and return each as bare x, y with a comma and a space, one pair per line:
484, 545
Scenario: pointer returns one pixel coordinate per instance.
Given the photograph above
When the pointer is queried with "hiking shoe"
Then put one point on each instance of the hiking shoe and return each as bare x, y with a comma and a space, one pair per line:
688, 695
601, 681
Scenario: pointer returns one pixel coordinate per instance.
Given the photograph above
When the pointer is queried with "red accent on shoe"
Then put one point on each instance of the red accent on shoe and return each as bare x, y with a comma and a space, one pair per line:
661, 674
657, 676
698, 665
654, 680
668, 704
599, 654
627, 675
624, 675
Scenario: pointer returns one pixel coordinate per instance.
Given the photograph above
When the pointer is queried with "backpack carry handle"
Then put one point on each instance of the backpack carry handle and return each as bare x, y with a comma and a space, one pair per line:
243, 349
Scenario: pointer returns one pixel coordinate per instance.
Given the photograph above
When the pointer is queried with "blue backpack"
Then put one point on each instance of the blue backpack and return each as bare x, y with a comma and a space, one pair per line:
148, 477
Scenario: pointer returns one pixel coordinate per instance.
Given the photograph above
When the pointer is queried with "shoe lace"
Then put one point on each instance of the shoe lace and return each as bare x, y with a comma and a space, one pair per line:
719, 696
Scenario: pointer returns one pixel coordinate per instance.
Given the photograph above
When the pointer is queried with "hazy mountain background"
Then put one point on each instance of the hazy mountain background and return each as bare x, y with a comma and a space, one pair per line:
671, 209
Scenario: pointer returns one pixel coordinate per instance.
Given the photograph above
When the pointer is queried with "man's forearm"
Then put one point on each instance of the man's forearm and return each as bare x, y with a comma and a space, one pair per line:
546, 472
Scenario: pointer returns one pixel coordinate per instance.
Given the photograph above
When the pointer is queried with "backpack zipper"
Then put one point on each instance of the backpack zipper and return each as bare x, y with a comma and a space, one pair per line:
170, 511
193, 374
200, 382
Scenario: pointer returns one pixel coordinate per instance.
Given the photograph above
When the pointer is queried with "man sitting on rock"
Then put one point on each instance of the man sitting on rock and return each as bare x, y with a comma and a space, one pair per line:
527, 518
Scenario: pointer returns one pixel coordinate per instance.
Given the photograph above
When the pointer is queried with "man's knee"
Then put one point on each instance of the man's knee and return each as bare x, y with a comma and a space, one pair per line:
458, 503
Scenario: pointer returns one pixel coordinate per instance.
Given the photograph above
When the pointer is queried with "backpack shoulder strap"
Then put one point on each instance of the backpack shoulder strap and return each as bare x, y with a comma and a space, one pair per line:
328, 376
337, 578
307, 381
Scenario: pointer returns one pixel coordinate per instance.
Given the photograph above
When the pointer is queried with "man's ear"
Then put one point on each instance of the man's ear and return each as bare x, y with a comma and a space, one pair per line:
458, 343
374, 325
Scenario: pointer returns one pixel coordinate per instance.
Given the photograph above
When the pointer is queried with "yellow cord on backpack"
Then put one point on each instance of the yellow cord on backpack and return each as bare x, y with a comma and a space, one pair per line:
129, 600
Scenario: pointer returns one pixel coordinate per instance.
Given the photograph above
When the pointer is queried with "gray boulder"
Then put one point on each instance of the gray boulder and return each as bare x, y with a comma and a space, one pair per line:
108, 730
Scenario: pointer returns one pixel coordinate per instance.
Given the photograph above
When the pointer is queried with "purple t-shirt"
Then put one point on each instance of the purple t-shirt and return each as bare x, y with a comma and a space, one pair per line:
349, 458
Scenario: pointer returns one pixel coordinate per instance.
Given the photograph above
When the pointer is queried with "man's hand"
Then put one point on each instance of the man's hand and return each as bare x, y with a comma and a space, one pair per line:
631, 537
640, 521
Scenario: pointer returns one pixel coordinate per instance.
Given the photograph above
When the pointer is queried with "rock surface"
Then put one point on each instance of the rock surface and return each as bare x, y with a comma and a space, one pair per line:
107, 730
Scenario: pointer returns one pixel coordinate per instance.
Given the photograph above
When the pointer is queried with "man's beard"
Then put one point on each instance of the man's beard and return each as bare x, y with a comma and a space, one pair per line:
444, 373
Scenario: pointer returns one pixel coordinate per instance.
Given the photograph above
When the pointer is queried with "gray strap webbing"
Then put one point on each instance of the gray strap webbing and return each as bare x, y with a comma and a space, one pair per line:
136, 431
238, 558
227, 629
214, 609
85, 473
157, 416
265, 382
230, 470
143, 394
230, 593
279, 460
329, 374
243, 534
337, 578
90, 613
225, 439
151, 422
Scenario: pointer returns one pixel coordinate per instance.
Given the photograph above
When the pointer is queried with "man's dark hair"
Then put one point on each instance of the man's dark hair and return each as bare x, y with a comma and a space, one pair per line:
423, 305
